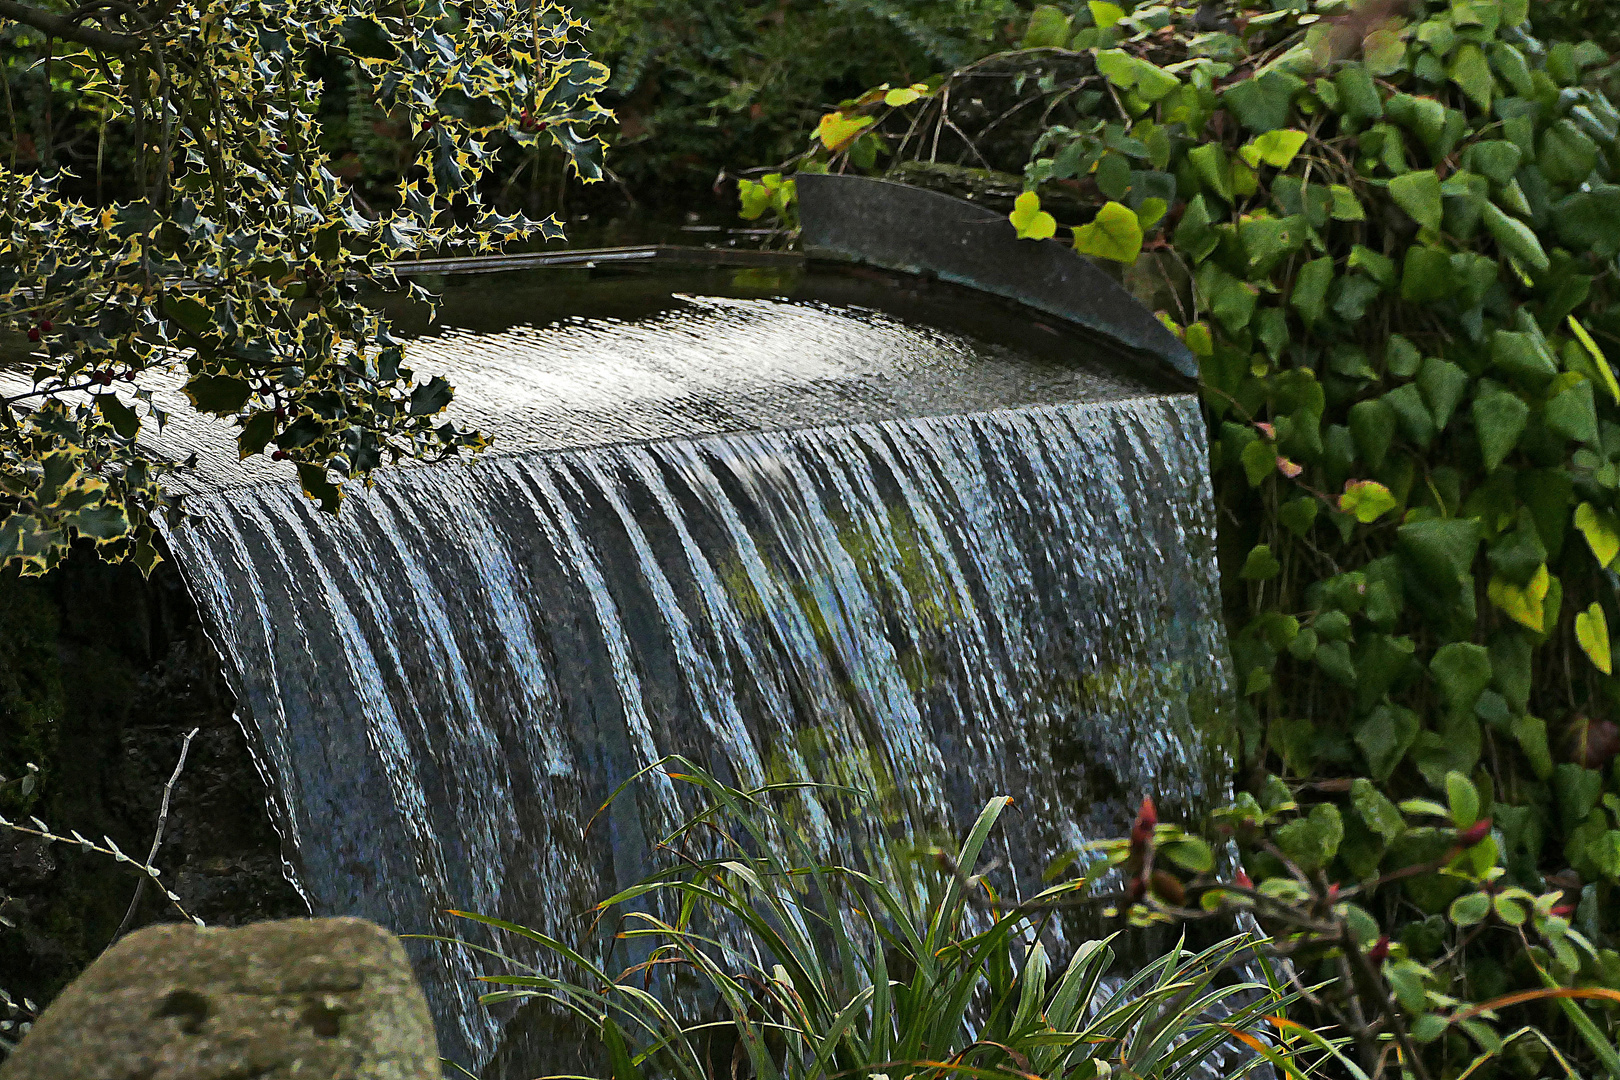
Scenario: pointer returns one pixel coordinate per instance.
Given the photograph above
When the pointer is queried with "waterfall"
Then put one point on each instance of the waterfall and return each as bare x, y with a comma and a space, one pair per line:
448, 678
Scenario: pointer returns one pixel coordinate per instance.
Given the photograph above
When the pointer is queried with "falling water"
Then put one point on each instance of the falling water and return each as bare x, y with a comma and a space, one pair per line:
449, 678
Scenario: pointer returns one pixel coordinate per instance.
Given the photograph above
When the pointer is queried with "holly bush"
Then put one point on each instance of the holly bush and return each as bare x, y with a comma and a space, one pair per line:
229, 258
1389, 233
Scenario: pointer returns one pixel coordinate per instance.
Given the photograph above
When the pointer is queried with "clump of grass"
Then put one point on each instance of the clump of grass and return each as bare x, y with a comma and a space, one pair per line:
821, 971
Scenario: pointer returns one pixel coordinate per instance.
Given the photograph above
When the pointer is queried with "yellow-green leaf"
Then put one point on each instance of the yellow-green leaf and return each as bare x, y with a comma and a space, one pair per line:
1104, 14
1115, 234
1597, 355
905, 95
1592, 631
1525, 605
1601, 530
837, 129
1366, 500
1275, 148
1030, 220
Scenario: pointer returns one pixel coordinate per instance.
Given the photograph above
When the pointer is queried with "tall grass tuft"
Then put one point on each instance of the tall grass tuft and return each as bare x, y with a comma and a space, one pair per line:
816, 971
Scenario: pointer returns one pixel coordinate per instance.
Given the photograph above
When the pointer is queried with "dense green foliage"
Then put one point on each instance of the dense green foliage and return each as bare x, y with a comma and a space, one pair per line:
229, 258
702, 86
1389, 232
911, 970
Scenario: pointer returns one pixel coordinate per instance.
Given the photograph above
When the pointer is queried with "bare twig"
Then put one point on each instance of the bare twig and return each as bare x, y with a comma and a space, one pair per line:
157, 838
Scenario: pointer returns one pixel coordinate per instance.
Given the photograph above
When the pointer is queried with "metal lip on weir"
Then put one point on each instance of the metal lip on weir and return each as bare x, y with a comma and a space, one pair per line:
890, 226
898, 227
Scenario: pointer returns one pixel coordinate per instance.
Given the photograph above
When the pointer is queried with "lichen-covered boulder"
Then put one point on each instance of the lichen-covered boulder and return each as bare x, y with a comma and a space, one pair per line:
315, 999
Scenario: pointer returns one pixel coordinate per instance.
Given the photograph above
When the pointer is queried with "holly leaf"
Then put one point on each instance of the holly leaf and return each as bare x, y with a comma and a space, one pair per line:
220, 394
119, 415
1115, 233
1592, 632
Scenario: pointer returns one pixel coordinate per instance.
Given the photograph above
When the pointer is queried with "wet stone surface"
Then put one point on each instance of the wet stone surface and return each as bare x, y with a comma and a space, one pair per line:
306, 998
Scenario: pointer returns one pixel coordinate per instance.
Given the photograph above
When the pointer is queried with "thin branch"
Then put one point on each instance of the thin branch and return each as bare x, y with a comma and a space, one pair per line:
157, 839
54, 25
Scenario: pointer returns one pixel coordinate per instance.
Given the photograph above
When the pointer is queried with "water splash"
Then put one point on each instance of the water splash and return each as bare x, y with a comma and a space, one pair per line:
449, 678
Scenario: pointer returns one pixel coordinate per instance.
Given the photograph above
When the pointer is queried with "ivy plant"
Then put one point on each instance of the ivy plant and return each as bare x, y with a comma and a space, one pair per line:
1389, 233
234, 261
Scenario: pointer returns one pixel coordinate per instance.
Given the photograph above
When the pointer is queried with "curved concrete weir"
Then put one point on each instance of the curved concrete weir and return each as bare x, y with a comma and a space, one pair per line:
796, 521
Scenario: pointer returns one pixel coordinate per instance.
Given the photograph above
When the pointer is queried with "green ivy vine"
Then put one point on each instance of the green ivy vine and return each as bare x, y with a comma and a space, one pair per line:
1389, 232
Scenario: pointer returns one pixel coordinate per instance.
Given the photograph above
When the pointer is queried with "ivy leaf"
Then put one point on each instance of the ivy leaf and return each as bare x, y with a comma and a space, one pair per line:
1499, 419
1384, 738
1592, 632
1514, 237
838, 129
1311, 285
1030, 221
1104, 14
905, 95
1601, 530
1048, 28
1471, 71
1346, 207
1213, 168
1381, 815
1366, 500
1261, 565
1462, 671
1418, 193
1133, 73
1596, 353
1275, 148
1115, 233
1525, 605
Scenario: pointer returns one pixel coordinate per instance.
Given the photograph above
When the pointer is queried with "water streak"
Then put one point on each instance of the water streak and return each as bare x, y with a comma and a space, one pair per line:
450, 677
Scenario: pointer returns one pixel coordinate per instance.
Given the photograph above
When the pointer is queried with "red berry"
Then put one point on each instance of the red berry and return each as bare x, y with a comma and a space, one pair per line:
541, 126
1379, 952
279, 455
33, 333
46, 326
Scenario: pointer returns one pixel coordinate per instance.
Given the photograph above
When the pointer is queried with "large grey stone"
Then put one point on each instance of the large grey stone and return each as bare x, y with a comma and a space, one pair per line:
311, 999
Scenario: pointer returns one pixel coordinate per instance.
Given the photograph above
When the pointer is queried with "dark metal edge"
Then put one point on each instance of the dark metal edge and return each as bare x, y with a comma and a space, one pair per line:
590, 258
916, 231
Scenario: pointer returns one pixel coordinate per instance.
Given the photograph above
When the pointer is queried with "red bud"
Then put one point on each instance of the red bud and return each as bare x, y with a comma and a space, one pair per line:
1476, 832
1242, 881
1564, 911
1379, 952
